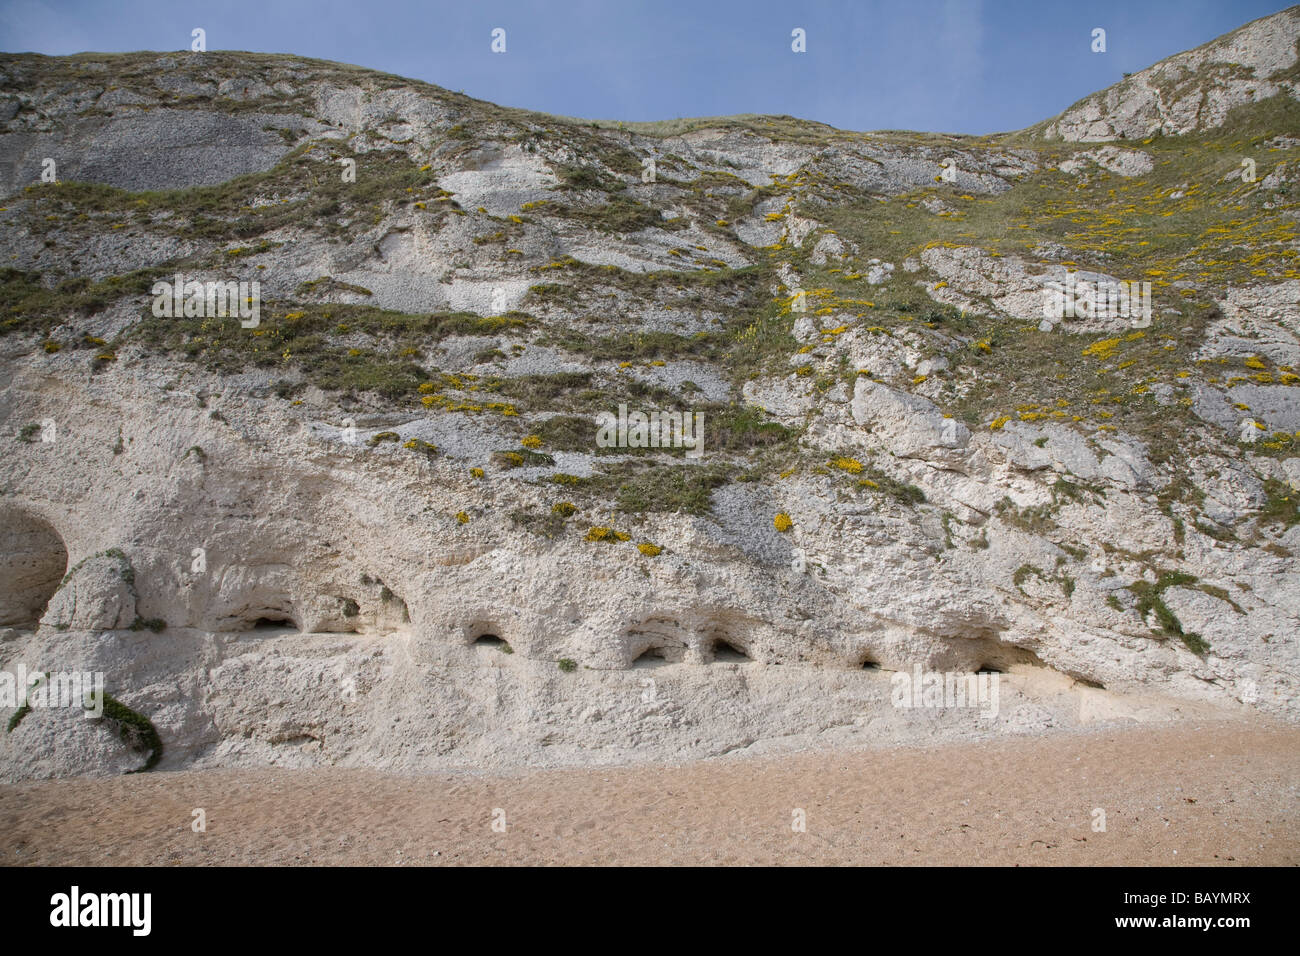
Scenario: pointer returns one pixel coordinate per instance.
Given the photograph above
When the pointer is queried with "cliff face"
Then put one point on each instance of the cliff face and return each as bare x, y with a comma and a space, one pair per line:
372, 523
1194, 91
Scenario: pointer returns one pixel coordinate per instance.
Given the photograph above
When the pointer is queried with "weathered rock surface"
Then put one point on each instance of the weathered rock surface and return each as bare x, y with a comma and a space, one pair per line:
375, 530
1192, 91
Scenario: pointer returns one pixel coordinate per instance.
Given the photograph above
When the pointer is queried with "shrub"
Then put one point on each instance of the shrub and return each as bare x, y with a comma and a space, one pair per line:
1149, 600
420, 445
782, 522
135, 730
686, 489
568, 433
520, 459
17, 717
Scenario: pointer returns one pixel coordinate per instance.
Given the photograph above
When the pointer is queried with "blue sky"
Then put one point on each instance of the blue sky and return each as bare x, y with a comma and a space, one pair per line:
963, 66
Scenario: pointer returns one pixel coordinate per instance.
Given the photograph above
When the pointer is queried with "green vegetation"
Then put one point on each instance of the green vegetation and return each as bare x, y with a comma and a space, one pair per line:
1282, 505
1188, 226
683, 489
135, 730
1149, 601
17, 717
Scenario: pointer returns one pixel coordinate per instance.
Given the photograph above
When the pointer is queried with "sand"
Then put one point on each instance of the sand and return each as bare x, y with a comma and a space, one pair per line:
1191, 793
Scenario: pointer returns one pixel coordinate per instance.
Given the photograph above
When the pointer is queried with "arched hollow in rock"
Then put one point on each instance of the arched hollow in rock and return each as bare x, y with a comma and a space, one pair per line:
727, 652
33, 560
982, 651
661, 638
652, 656
269, 619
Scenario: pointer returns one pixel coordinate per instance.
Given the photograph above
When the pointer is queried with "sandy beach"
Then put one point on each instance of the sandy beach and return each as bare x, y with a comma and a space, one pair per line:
1195, 793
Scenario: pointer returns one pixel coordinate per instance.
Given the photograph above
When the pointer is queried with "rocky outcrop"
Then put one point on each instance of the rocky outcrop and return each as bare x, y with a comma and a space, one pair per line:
98, 594
1193, 91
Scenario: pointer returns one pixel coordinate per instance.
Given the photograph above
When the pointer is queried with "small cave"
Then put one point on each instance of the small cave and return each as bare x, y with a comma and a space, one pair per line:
489, 640
652, 656
33, 560
654, 641
271, 621
724, 652
985, 653
869, 664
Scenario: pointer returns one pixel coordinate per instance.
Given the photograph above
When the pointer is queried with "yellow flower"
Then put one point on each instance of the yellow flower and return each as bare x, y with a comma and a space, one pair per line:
782, 522
476, 472
1103, 349
648, 549
462, 517
997, 423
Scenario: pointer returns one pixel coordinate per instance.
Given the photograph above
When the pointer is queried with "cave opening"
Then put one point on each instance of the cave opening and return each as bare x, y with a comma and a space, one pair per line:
273, 621
33, 561
650, 657
724, 652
